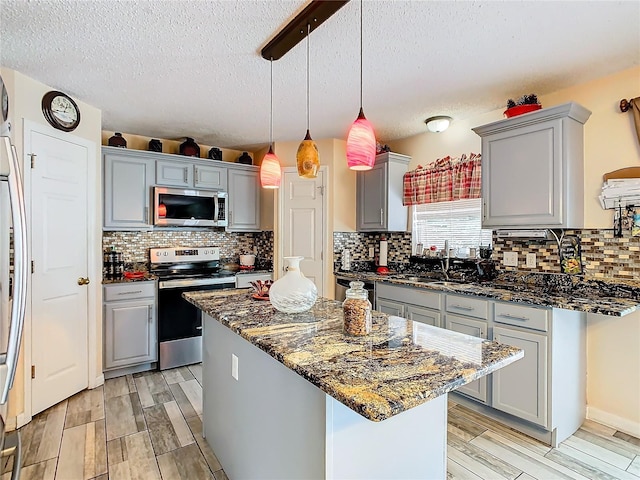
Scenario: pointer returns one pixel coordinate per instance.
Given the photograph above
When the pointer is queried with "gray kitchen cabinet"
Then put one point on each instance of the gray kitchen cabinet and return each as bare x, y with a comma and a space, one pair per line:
128, 176
476, 328
189, 174
174, 174
415, 304
533, 169
130, 327
244, 199
521, 388
379, 195
211, 177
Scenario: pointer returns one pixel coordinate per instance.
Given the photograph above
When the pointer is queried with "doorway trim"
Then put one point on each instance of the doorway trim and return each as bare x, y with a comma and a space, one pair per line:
326, 256
94, 260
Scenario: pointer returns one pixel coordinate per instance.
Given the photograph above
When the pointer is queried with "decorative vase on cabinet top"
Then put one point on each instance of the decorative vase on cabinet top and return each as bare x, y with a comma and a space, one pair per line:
293, 293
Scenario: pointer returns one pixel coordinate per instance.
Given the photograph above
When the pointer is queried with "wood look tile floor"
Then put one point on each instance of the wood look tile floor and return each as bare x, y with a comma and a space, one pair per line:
149, 426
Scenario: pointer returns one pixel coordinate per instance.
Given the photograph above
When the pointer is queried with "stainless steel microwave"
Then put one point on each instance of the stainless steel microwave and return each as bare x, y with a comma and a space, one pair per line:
191, 207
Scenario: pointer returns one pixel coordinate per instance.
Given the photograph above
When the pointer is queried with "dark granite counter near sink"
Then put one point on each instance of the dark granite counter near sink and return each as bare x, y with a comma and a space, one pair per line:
605, 297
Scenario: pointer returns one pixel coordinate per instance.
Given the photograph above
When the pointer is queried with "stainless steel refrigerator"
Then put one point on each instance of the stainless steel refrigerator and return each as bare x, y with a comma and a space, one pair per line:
13, 282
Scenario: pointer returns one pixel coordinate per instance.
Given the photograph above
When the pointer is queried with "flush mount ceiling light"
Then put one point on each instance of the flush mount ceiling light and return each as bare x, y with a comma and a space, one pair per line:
361, 140
438, 123
307, 158
270, 173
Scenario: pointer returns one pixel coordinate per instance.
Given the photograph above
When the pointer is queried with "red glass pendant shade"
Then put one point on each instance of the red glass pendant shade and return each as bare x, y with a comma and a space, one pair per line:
270, 173
361, 144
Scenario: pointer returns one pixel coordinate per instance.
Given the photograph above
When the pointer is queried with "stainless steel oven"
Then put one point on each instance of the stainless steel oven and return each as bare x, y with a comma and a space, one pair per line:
179, 270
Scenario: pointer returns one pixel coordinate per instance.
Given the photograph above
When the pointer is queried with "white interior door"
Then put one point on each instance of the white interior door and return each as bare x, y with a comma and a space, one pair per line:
303, 220
59, 304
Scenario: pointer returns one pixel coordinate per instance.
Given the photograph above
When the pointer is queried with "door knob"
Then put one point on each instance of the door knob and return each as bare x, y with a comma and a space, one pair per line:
83, 281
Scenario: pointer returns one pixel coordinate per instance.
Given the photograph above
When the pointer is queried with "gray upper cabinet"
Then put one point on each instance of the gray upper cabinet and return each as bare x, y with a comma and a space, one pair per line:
207, 176
532, 169
195, 175
128, 177
379, 195
244, 200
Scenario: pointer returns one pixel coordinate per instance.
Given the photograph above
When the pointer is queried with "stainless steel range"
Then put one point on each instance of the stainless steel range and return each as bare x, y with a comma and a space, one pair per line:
184, 269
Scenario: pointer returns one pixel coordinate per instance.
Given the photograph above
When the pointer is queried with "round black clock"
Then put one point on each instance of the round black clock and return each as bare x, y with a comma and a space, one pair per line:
60, 111
5, 101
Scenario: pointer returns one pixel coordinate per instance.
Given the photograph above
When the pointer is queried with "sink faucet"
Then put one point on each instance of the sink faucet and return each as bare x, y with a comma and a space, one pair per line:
444, 263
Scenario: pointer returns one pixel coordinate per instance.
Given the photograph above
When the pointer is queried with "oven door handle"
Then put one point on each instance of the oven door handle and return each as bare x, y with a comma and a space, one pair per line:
228, 281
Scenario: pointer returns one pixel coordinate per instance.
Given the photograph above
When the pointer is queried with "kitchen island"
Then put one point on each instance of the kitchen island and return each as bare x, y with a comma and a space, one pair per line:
311, 402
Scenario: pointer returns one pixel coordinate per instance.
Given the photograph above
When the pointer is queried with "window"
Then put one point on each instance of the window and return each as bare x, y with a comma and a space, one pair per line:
457, 221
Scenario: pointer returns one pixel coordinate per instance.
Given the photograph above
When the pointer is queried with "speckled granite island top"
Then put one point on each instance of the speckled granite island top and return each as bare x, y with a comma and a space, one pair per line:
400, 365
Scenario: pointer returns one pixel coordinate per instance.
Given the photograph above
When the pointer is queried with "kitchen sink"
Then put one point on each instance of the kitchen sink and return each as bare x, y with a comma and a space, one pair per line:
447, 283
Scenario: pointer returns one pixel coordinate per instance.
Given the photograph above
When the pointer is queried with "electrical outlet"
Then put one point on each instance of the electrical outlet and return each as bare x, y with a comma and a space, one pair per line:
234, 366
372, 252
531, 260
510, 259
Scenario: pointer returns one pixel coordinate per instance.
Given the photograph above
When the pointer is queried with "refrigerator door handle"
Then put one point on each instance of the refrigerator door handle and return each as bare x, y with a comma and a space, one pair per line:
19, 218
13, 446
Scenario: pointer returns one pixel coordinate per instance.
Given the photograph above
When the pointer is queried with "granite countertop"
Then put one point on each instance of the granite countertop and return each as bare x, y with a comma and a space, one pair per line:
399, 365
592, 296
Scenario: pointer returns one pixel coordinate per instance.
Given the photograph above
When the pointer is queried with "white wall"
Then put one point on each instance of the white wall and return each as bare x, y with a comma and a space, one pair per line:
613, 344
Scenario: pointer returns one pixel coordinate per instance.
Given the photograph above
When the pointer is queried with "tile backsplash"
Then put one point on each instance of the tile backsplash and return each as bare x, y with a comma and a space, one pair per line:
135, 245
603, 255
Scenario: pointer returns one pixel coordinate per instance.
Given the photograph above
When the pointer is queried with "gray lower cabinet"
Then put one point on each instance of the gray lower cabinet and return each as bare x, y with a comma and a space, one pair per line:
521, 388
130, 326
244, 200
476, 328
128, 177
419, 305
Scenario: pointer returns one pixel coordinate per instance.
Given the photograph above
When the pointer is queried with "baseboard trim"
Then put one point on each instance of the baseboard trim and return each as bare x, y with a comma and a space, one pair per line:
614, 421
97, 381
22, 419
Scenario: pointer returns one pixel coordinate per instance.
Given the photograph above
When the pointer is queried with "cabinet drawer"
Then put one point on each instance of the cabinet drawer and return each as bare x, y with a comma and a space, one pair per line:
468, 306
415, 296
126, 291
526, 317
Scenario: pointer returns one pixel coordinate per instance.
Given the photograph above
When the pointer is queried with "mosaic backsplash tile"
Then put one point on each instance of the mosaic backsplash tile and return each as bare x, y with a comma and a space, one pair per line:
135, 245
603, 255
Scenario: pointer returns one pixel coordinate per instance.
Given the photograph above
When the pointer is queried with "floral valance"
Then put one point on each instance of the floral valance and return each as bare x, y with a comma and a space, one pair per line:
444, 180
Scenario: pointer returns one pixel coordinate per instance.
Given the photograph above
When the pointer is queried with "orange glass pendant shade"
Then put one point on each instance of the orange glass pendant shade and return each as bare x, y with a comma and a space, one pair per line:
361, 144
270, 173
307, 158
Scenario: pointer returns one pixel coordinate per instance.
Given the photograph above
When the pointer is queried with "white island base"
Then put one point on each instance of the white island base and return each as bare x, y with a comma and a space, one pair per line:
271, 423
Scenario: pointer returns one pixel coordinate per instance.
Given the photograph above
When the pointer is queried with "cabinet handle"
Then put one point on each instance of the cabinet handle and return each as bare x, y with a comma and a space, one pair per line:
462, 307
146, 215
381, 217
230, 217
130, 293
198, 328
514, 317
150, 313
186, 174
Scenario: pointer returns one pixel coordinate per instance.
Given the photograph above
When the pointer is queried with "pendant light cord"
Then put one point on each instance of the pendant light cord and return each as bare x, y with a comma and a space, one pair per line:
308, 83
271, 108
361, 54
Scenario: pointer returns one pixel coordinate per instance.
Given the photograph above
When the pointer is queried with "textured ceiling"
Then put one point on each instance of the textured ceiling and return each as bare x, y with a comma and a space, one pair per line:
174, 68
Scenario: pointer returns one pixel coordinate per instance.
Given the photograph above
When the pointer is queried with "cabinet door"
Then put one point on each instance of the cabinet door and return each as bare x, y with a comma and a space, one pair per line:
206, 176
371, 203
390, 307
174, 174
130, 333
127, 182
521, 388
522, 176
244, 201
477, 328
422, 315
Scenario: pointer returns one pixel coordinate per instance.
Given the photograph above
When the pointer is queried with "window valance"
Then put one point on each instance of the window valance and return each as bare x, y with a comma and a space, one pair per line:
444, 180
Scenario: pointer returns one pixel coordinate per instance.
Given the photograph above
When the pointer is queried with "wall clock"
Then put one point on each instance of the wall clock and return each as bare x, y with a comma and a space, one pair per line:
4, 102
60, 111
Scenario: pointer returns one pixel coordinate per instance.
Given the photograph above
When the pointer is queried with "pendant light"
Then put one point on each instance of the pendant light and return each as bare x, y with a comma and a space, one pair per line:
307, 157
270, 173
361, 141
